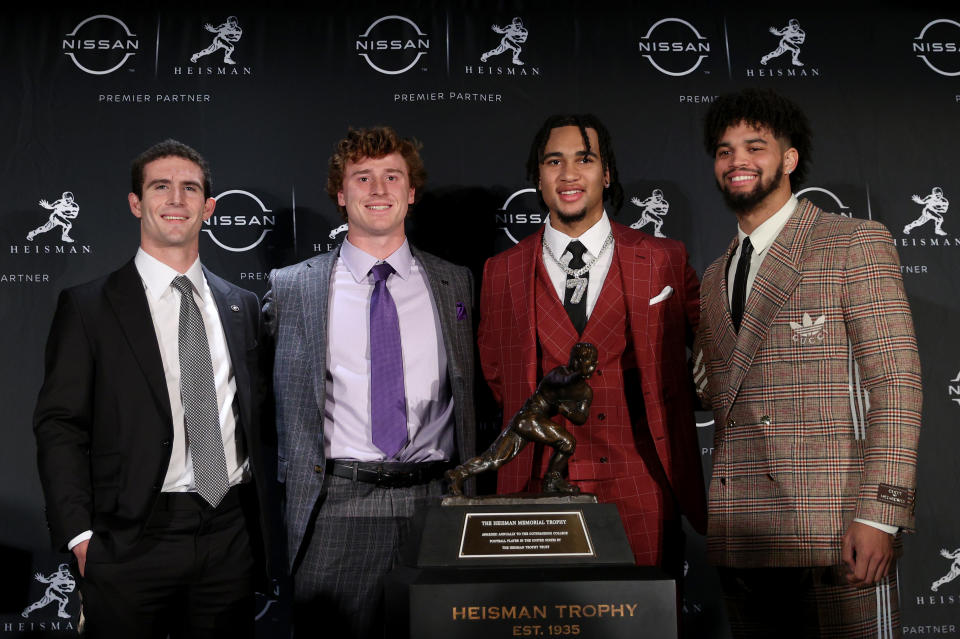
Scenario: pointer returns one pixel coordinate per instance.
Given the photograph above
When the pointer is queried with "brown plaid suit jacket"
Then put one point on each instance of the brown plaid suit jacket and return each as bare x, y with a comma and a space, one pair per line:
816, 400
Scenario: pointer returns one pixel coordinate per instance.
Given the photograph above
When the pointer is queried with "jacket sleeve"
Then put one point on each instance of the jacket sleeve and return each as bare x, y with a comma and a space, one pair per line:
880, 329
62, 423
490, 331
701, 354
691, 300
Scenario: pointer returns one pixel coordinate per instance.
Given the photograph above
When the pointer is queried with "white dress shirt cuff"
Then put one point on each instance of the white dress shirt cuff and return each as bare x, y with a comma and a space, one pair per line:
884, 527
85, 535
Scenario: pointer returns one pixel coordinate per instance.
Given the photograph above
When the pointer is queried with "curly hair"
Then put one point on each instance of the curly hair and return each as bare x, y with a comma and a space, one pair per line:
375, 142
761, 108
167, 148
583, 121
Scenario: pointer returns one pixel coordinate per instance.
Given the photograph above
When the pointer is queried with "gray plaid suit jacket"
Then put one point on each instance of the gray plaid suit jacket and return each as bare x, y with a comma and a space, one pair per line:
816, 400
295, 316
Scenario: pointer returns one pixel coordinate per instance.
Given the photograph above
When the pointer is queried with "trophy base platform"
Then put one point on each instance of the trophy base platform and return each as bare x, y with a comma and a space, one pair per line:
535, 601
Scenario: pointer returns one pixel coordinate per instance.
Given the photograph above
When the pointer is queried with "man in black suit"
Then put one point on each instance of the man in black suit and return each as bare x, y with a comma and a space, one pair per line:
148, 426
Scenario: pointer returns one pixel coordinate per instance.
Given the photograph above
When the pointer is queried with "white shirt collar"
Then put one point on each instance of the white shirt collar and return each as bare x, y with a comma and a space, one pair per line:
592, 239
765, 234
359, 262
157, 276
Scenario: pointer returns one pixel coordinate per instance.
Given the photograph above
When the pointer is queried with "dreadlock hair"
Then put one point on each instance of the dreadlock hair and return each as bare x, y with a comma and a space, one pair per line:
583, 121
761, 108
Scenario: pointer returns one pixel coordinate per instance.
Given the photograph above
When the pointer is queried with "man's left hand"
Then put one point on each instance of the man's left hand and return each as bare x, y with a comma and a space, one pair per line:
867, 553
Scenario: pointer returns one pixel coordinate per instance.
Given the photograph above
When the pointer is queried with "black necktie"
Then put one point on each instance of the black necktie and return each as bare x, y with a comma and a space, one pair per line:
575, 296
740, 284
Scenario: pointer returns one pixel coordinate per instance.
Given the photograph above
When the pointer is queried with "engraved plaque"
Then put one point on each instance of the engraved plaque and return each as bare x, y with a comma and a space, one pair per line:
525, 534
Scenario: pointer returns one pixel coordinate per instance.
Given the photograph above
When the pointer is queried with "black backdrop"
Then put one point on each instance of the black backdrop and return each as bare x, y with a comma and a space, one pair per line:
86, 89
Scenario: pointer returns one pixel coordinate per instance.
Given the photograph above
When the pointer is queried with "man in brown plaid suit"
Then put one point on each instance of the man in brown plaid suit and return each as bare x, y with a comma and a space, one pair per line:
807, 355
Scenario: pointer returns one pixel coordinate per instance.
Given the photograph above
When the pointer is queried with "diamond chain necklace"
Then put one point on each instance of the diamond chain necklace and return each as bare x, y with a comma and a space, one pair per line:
607, 243
574, 279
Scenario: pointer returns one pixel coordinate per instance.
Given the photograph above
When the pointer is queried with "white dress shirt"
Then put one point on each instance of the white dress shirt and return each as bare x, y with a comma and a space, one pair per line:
347, 431
762, 238
164, 303
593, 240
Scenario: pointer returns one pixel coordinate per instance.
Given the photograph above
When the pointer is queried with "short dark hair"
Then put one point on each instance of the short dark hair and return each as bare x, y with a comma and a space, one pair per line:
165, 149
583, 121
761, 108
375, 142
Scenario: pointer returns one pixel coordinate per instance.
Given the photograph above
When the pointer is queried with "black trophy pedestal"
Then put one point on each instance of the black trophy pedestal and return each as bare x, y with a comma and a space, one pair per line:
523, 568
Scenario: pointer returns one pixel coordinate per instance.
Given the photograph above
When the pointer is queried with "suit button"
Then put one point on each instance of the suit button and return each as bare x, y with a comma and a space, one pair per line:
156, 486
765, 420
165, 443
603, 460
723, 481
318, 468
599, 373
731, 423
602, 416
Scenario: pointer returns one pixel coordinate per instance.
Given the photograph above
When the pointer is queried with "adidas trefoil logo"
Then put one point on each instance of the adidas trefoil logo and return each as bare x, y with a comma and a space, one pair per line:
809, 330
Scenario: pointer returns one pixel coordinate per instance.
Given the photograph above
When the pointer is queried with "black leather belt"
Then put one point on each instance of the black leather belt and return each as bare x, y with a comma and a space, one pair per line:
193, 501
388, 474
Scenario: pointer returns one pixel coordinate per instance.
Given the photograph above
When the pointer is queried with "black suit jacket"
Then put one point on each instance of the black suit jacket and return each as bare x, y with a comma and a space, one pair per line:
103, 423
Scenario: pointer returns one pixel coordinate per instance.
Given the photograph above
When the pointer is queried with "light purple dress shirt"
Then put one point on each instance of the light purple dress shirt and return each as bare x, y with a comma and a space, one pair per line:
430, 419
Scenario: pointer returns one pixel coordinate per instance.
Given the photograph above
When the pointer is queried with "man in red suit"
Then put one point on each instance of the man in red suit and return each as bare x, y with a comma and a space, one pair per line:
585, 278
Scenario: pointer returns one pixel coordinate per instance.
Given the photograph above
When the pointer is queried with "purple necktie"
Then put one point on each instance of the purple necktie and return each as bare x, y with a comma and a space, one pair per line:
388, 405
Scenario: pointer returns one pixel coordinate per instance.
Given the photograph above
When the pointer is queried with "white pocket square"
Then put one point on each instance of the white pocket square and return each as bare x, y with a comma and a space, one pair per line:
664, 294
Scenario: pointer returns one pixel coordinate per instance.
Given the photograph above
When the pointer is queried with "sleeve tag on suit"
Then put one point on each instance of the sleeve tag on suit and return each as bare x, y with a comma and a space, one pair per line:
892, 495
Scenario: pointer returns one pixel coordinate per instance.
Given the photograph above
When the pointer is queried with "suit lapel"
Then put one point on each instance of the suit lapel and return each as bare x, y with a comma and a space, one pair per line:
717, 307
776, 280
608, 309
522, 296
636, 268
125, 294
555, 332
446, 309
315, 287
230, 307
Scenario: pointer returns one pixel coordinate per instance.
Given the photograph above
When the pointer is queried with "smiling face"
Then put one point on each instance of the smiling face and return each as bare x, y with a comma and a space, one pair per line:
376, 194
751, 166
171, 207
572, 179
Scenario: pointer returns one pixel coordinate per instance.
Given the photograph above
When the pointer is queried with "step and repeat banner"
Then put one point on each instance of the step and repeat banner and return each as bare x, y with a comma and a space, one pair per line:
265, 93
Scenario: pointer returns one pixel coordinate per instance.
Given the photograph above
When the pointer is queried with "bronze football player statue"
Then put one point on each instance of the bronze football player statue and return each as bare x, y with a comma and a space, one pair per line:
562, 391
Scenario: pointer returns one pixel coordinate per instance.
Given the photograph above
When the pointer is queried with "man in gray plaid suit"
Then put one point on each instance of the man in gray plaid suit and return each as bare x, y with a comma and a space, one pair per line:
373, 380
807, 355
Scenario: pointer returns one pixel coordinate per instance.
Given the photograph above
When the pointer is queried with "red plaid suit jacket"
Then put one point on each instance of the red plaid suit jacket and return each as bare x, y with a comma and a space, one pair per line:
660, 333
816, 400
